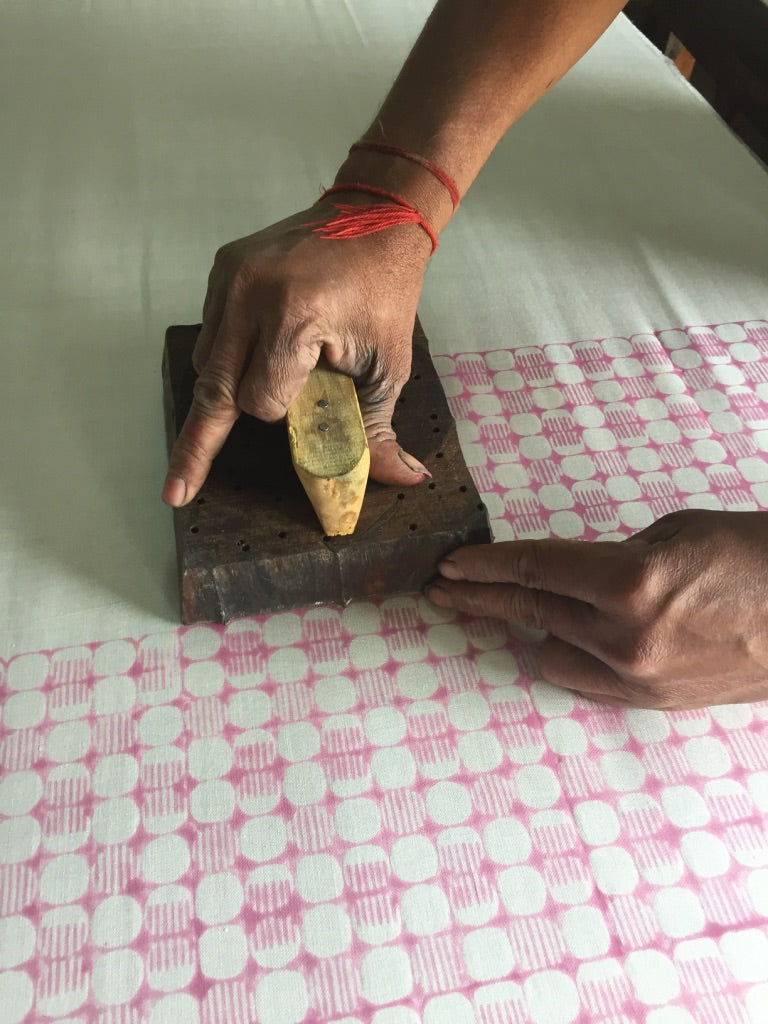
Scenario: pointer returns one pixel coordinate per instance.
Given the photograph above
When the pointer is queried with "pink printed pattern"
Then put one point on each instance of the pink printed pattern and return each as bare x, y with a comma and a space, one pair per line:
374, 815
599, 439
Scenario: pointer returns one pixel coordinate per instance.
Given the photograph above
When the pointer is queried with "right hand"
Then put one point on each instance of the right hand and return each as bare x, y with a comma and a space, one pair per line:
278, 299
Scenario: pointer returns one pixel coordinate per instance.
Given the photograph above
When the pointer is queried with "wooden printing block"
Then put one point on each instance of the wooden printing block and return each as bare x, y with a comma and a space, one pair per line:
250, 542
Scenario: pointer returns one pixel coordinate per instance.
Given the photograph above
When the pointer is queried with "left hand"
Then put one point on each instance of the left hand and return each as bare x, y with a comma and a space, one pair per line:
674, 617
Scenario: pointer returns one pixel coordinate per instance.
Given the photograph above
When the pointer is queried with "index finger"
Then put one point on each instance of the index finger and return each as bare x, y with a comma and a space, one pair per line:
590, 571
213, 412
200, 440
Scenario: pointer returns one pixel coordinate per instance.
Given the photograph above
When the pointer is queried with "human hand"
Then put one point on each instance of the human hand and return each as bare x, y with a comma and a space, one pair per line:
674, 617
278, 299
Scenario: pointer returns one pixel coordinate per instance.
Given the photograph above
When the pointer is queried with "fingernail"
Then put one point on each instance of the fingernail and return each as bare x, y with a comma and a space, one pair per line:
174, 491
450, 570
413, 464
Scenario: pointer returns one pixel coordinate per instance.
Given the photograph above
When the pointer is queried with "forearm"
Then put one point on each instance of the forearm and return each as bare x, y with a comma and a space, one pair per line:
477, 66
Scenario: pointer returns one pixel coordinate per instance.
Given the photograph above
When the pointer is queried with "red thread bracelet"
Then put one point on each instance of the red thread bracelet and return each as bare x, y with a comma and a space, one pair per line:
384, 147
355, 221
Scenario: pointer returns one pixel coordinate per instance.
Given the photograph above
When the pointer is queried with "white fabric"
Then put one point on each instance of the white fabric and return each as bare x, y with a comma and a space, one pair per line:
139, 136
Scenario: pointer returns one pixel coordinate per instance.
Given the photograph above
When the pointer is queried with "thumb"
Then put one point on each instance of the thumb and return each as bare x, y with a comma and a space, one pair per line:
390, 464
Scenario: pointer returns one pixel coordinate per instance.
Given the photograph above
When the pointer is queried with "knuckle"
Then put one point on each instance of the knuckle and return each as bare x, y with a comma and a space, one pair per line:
293, 342
299, 305
214, 392
263, 402
523, 606
677, 518
670, 526
641, 655
635, 596
378, 430
241, 281
222, 254
388, 371
529, 570
198, 361
378, 394
642, 585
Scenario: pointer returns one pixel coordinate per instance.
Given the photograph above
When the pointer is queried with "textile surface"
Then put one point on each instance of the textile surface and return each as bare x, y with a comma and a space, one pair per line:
377, 815
144, 134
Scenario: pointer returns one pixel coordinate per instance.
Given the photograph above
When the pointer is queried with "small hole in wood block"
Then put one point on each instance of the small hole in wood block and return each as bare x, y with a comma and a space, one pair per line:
432, 486
201, 501
282, 535
401, 400
433, 416
416, 376
400, 496
438, 455
435, 430
463, 489
480, 506
413, 526
194, 529
246, 547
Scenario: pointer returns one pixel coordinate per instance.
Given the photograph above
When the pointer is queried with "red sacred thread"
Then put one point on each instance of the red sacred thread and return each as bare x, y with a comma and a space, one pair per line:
355, 221
444, 178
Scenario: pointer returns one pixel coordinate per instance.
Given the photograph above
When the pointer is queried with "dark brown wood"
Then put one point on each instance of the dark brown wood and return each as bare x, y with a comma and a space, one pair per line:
729, 41
251, 543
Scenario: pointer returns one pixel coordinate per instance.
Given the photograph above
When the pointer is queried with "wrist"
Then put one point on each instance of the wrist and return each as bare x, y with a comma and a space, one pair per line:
403, 177
353, 220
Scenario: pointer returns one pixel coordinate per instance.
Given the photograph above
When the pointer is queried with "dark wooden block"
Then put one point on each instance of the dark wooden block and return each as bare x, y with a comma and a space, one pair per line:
251, 543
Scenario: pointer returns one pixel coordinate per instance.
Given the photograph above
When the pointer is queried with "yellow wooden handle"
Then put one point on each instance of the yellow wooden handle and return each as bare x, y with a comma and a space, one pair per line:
329, 449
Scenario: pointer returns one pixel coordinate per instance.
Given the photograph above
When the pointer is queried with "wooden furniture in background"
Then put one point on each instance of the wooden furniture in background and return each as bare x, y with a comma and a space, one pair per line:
722, 46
